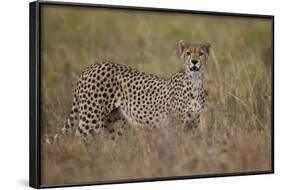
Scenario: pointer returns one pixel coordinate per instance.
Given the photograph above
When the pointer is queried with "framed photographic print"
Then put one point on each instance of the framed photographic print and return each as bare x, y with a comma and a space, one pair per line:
130, 94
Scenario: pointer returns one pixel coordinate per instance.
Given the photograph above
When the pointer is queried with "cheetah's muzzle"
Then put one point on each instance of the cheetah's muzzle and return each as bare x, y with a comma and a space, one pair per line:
194, 68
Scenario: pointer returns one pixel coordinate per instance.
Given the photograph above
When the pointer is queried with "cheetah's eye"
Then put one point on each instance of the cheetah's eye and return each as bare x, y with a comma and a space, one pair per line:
201, 53
188, 53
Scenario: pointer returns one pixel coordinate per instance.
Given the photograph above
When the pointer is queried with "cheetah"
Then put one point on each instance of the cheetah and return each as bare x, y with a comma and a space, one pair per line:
107, 92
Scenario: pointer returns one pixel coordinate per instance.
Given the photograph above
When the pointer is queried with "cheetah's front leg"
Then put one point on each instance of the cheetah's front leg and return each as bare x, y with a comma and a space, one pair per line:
192, 123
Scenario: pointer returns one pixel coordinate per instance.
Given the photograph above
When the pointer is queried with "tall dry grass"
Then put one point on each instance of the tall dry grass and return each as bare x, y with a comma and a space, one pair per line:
235, 130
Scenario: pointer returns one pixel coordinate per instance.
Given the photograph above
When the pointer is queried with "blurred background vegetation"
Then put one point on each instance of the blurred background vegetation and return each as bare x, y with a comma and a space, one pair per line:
235, 132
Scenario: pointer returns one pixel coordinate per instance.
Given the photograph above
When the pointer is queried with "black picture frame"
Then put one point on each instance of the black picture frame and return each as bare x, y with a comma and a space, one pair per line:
35, 93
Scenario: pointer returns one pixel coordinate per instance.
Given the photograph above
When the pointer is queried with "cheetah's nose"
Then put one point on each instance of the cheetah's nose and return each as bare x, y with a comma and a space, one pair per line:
194, 61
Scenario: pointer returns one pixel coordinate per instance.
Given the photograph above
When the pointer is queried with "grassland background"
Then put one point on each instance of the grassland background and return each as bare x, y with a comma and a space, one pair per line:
235, 132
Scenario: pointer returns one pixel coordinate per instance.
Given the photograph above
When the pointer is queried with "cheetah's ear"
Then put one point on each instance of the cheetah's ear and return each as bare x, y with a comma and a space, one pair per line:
207, 46
182, 46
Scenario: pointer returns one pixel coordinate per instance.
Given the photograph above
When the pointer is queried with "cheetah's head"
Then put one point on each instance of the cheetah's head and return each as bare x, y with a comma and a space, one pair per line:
194, 56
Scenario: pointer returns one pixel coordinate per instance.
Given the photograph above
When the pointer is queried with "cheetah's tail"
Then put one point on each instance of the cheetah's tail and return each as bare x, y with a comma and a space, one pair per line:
67, 127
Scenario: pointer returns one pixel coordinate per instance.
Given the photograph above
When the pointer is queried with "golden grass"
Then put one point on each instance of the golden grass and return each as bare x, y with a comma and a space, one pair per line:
235, 132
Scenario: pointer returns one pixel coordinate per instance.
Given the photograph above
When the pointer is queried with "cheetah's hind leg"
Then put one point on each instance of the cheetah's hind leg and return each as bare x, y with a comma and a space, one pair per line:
116, 124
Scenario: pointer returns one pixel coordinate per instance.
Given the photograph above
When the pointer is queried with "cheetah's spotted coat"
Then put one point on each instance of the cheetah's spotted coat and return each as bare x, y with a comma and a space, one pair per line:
107, 92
